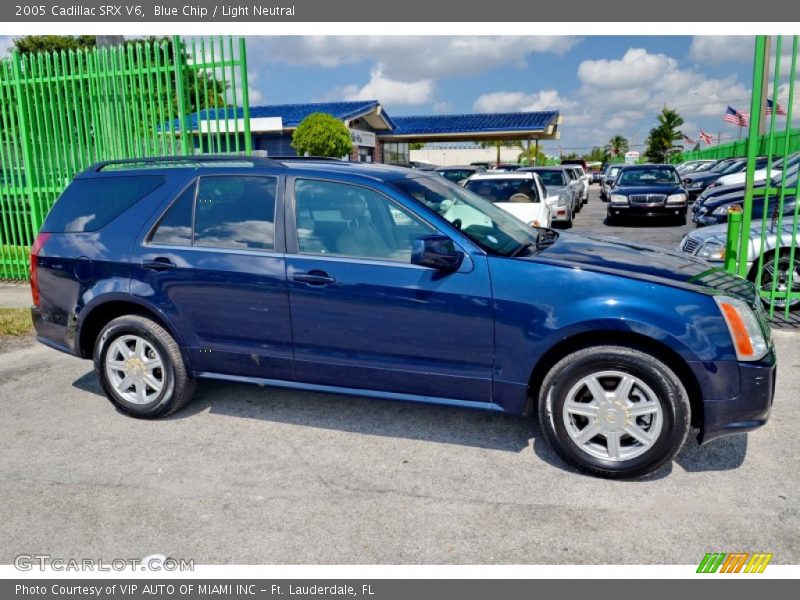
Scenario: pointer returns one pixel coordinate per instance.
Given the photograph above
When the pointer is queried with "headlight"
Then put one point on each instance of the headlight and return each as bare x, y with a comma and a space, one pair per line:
723, 210
618, 199
696, 185
676, 199
562, 199
712, 251
746, 333
534, 223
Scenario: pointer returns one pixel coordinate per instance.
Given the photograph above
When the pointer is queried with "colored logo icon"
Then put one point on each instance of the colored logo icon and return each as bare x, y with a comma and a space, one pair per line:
734, 562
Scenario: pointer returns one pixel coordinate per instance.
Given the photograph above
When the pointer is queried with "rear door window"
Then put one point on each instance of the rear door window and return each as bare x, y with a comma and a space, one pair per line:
235, 212
175, 227
90, 204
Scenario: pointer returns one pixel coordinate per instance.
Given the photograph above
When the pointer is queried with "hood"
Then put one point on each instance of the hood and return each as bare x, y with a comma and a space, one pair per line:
702, 177
641, 261
720, 199
734, 178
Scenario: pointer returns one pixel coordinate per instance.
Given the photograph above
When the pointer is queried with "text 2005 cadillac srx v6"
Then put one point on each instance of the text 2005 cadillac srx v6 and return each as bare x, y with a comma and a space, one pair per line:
386, 282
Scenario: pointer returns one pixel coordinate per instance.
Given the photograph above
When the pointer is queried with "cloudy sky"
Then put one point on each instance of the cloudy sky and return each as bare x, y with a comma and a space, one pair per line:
601, 85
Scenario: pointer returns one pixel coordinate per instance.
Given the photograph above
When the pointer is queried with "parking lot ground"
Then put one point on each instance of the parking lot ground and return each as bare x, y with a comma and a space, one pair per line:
257, 475
658, 232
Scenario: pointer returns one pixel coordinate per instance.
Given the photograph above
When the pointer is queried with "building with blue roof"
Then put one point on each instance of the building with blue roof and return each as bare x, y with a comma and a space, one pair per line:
377, 137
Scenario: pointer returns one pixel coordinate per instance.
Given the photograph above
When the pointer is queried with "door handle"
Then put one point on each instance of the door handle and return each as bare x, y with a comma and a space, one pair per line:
159, 264
313, 278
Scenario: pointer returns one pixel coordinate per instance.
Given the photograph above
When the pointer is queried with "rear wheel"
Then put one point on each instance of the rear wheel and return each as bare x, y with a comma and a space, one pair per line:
141, 368
614, 411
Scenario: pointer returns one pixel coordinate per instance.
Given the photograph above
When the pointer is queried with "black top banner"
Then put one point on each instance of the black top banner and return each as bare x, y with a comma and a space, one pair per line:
40, 11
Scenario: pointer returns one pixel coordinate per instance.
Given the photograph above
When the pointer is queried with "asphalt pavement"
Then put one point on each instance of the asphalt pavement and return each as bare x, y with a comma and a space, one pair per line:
251, 475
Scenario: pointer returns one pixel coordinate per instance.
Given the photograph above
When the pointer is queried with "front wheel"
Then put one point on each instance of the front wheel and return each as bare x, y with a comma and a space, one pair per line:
614, 411
141, 369
777, 268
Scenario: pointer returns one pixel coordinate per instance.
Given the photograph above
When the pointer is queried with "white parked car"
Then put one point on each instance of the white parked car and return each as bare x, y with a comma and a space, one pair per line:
519, 193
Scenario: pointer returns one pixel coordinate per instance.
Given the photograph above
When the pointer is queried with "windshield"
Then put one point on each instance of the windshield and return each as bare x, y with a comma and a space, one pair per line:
504, 190
552, 178
721, 166
651, 176
734, 167
455, 175
490, 227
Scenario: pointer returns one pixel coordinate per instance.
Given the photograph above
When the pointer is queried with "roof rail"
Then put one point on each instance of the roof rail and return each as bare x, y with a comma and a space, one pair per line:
325, 158
187, 160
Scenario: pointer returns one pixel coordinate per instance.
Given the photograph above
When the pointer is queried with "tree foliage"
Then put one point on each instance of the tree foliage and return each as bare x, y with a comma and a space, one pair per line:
321, 134
29, 44
664, 135
617, 146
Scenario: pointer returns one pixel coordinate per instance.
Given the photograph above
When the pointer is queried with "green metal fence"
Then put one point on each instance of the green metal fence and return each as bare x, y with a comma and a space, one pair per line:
765, 242
62, 111
739, 147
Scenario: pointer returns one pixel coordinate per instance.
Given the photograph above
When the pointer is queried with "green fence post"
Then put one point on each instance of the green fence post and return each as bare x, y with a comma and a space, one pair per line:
759, 63
248, 142
179, 56
732, 242
35, 222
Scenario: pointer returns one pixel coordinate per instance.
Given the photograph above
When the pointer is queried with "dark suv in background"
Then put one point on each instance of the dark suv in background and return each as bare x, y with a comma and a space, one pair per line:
388, 282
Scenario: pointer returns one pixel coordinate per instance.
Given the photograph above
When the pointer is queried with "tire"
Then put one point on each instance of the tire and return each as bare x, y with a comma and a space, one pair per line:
783, 278
612, 220
610, 366
153, 391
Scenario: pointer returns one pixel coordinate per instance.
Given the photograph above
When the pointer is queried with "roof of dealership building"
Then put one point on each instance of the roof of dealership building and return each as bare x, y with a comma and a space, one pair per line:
279, 118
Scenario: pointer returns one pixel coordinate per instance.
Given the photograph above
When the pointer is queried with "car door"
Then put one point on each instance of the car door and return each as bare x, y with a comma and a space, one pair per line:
363, 316
214, 265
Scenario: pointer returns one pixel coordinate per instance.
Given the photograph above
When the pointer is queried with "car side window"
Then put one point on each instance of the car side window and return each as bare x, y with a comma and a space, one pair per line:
175, 227
338, 219
235, 212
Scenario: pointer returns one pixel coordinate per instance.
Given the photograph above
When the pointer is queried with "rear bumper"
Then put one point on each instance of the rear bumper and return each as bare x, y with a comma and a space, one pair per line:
55, 330
748, 410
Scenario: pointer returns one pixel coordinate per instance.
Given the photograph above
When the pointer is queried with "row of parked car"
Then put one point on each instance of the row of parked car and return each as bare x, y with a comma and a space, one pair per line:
540, 196
772, 258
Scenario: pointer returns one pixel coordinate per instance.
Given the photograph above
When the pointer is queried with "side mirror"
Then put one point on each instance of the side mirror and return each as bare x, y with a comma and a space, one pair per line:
436, 252
611, 183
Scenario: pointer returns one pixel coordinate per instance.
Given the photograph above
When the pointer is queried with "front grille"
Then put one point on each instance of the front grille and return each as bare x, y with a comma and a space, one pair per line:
690, 245
648, 198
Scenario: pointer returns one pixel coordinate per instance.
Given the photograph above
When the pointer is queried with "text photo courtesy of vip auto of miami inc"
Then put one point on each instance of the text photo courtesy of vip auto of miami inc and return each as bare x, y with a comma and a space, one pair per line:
398, 300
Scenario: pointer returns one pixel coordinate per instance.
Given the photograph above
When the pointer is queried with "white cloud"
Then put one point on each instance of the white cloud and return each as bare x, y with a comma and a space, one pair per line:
718, 49
636, 68
388, 91
408, 58
521, 101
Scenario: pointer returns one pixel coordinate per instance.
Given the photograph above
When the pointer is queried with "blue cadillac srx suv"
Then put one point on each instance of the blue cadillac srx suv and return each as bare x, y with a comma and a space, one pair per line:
387, 282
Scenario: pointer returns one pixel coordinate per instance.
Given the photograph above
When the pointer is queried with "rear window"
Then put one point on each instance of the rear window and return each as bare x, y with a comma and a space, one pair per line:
89, 204
504, 190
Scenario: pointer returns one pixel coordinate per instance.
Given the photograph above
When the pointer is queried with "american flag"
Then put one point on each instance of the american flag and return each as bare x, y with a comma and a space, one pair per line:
737, 118
689, 140
706, 137
777, 106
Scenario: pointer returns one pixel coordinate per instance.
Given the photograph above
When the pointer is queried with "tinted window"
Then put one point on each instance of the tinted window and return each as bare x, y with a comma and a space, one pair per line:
235, 212
651, 176
345, 220
504, 190
89, 204
554, 177
175, 227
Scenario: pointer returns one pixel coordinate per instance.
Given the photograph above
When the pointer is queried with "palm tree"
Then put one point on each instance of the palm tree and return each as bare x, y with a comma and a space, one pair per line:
618, 145
665, 134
